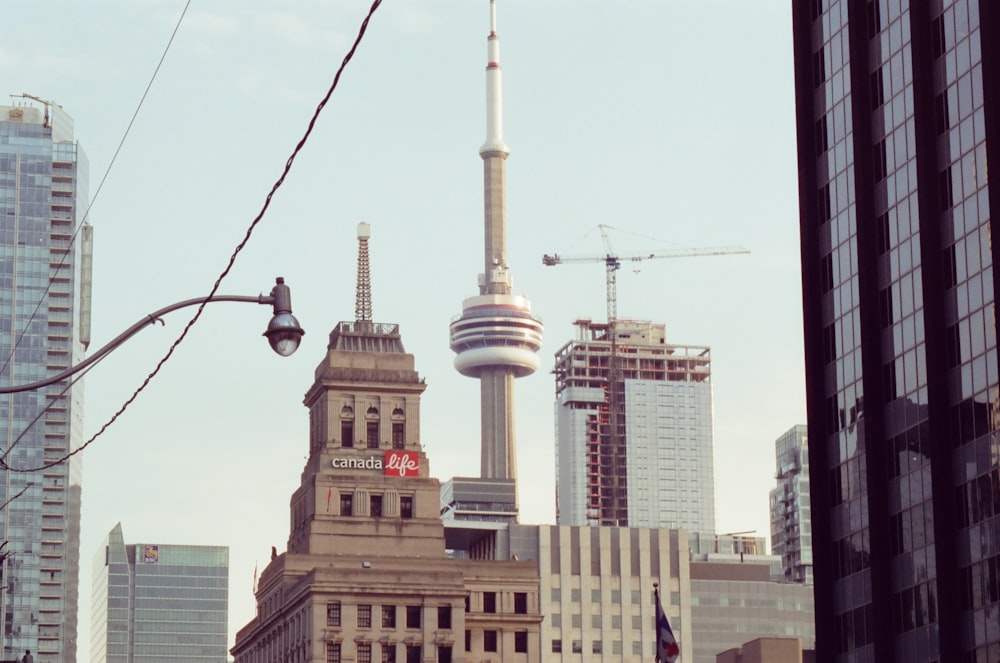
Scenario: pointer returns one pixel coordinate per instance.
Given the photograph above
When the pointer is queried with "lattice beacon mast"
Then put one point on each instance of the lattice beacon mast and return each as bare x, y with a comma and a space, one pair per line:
496, 337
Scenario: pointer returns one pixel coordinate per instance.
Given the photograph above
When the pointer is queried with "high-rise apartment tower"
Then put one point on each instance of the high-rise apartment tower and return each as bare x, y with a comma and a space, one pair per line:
45, 253
652, 464
159, 602
897, 120
791, 522
496, 337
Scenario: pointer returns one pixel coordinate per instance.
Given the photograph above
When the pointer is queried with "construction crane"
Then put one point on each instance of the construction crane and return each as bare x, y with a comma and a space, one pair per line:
48, 105
613, 262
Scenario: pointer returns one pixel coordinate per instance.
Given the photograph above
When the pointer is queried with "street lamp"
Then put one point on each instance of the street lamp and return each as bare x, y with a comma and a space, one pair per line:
283, 331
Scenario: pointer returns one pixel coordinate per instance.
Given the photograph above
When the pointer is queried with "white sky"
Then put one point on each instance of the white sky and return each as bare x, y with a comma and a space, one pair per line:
671, 121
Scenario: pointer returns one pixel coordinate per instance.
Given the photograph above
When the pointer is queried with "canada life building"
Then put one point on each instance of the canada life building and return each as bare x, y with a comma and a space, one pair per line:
897, 120
45, 253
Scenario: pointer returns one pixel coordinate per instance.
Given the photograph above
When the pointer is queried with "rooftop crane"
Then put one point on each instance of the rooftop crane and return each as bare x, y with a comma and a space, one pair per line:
613, 262
48, 105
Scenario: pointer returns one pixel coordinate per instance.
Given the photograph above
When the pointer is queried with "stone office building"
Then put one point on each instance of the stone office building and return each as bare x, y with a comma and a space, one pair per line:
365, 576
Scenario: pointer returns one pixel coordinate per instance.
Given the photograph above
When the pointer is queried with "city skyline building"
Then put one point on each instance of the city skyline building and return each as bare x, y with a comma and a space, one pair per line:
159, 602
365, 575
791, 520
610, 466
45, 280
496, 338
897, 121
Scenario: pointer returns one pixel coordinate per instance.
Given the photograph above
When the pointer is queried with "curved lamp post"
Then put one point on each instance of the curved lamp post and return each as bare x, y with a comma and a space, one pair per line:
283, 331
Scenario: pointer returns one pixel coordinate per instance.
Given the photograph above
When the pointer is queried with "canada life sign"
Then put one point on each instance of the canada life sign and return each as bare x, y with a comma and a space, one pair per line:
392, 464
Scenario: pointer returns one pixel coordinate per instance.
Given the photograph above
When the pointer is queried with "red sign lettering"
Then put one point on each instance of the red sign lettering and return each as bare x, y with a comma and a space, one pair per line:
401, 463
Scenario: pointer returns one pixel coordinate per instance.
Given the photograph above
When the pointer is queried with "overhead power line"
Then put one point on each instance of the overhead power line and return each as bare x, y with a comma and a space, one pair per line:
232, 259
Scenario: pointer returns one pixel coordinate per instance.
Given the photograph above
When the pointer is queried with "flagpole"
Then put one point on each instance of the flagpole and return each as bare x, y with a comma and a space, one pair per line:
667, 650
656, 602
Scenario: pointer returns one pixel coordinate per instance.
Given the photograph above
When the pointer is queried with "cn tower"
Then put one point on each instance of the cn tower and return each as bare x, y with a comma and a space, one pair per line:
496, 338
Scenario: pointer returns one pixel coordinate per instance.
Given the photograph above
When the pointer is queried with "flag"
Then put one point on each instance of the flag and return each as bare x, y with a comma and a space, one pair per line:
667, 650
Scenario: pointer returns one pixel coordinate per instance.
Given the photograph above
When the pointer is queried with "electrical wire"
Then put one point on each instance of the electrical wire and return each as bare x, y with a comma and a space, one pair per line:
232, 259
97, 192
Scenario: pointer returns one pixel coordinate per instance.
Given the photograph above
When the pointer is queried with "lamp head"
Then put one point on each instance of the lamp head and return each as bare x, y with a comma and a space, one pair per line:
283, 331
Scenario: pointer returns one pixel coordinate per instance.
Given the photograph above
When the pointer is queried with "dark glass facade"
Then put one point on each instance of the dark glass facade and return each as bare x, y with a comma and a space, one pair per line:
896, 121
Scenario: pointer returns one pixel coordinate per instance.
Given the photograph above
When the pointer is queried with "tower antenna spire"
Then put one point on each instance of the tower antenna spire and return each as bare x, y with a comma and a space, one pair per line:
363, 294
496, 339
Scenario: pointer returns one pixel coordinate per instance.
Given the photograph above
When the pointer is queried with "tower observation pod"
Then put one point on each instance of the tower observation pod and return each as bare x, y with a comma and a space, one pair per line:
496, 338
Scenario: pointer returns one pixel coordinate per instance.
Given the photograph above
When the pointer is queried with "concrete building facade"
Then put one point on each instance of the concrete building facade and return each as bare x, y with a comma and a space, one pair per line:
791, 519
768, 650
897, 120
735, 600
154, 603
632, 409
45, 277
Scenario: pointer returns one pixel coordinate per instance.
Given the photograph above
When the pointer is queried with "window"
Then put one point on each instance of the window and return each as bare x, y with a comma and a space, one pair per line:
332, 652
557, 646
389, 653
595, 621
576, 621
616, 596
574, 595
388, 616
371, 433
346, 504
578, 646
444, 616
398, 440
364, 616
598, 647
637, 647
406, 506
521, 603
412, 653
595, 596
489, 641
375, 504
364, 654
444, 654
489, 601
413, 616
467, 608
347, 433
556, 595
616, 646
468, 640
521, 642
333, 614
556, 619
636, 596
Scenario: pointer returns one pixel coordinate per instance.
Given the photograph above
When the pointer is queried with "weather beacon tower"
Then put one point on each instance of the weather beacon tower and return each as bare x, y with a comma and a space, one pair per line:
496, 337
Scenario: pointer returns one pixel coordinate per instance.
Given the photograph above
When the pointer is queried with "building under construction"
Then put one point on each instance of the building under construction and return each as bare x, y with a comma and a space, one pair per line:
634, 442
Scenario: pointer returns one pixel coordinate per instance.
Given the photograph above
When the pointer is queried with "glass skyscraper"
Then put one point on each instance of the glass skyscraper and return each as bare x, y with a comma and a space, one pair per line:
155, 603
44, 328
897, 120
791, 521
